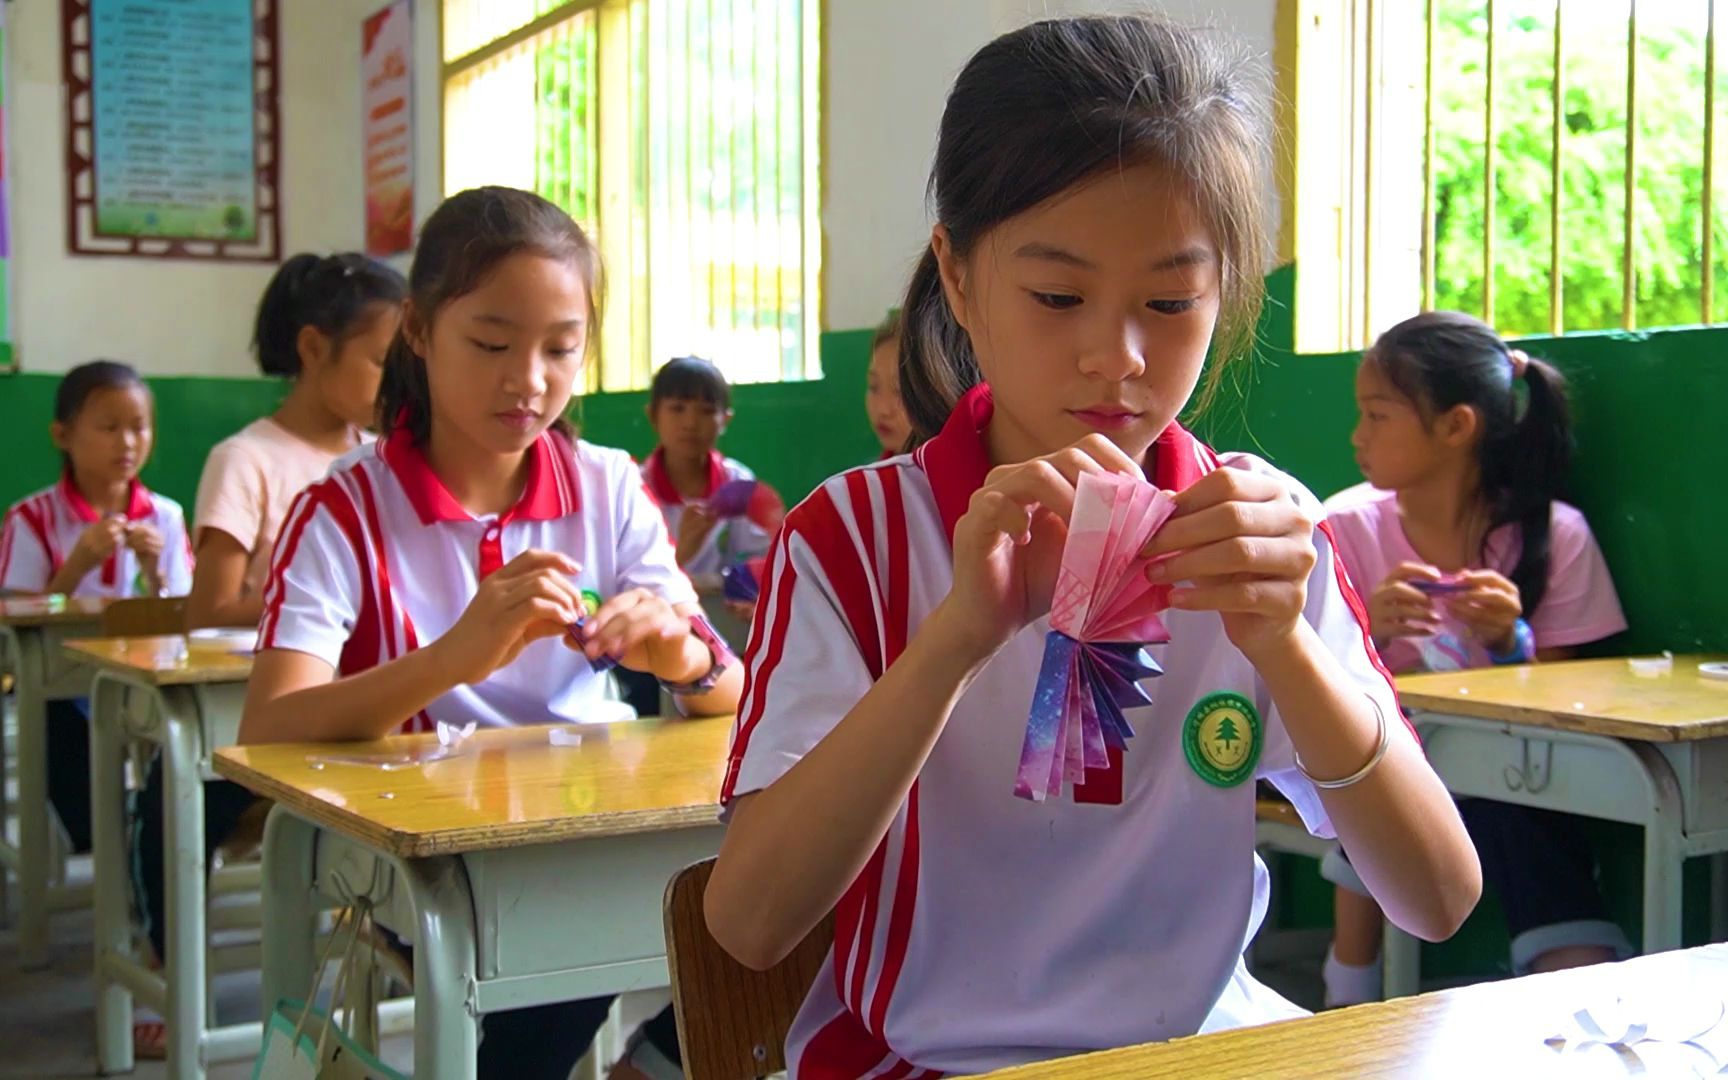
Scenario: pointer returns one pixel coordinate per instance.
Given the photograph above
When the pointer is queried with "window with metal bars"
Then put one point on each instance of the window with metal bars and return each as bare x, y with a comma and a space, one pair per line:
1548, 165
684, 135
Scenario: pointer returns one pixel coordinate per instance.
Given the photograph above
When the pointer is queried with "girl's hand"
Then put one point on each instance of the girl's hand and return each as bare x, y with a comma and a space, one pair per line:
144, 539
1398, 609
1246, 548
1490, 610
644, 633
97, 542
1008, 545
694, 525
529, 598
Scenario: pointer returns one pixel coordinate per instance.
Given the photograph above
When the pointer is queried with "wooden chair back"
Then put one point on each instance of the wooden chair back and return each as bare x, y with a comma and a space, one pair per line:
732, 1021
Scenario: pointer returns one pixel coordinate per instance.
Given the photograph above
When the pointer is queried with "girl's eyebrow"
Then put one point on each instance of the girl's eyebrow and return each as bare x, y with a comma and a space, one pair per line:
1038, 249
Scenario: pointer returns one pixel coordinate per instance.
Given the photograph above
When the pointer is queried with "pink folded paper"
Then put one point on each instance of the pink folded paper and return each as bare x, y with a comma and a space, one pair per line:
1102, 614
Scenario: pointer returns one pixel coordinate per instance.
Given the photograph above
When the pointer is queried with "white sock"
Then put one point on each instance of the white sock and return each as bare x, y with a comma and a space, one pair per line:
1349, 984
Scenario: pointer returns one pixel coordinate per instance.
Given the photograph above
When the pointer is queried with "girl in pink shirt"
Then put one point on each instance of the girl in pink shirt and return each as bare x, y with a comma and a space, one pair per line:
324, 323
1470, 559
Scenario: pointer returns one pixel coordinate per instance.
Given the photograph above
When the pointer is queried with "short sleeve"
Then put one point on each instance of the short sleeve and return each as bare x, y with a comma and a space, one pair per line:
1336, 612
646, 558
176, 564
1580, 605
313, 597
231, 495
805, 668
25, 565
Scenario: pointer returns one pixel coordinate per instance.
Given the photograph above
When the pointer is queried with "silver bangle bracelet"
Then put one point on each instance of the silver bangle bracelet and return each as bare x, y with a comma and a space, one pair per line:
1360, 774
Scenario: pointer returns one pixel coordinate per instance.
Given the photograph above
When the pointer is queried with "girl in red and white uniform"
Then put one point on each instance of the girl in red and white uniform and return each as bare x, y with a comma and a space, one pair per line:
1097, 184
436, 573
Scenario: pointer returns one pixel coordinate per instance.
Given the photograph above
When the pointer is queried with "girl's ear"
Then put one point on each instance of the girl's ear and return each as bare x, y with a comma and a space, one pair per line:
58, 433
313, 345
953, 272
415, 331
1459, 425
726, 420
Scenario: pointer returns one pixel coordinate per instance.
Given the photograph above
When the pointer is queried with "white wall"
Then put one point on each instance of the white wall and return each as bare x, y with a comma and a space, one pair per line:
890, 64
183, 317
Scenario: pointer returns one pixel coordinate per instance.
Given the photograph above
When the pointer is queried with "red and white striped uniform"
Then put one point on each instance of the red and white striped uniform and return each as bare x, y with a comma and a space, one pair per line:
988, 931
41, 531
380, 558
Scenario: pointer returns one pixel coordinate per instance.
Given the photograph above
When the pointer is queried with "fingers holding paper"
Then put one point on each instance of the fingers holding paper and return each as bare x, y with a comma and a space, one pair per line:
1245, 548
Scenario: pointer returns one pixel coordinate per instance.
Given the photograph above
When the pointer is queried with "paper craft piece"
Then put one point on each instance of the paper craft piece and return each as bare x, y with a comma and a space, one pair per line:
742, 582
1446, 585
1102, 616
1679, 1033
578, 631
750, 499
451, 740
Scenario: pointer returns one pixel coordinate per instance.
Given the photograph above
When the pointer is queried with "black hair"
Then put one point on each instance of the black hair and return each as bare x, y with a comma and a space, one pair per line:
1057, 103
463, 241
332, 293
77, 385
691, 378
1443, 359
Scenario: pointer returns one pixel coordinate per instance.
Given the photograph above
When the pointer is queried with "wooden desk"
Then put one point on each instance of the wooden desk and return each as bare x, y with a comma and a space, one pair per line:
1587, 737
31, 630
525, 872
185, 696
1489, 1030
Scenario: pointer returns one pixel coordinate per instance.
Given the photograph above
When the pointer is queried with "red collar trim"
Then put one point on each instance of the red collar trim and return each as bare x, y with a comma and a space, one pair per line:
552, 490
957, 460
660, 480
138, 502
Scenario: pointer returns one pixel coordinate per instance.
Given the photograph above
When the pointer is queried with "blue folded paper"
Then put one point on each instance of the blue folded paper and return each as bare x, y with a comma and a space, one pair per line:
1102, 680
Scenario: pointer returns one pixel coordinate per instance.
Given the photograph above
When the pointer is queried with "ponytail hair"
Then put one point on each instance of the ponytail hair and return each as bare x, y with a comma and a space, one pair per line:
1443, 359
1057, 103
332, 293
461, 244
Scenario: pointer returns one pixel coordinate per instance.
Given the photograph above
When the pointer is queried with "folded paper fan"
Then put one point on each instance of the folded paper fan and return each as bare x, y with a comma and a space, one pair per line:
750, 499
1102, 617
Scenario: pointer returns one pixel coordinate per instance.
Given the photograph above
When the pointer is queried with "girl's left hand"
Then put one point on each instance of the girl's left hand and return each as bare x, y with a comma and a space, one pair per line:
1246, 549
644, 633
1490, 610
146, 540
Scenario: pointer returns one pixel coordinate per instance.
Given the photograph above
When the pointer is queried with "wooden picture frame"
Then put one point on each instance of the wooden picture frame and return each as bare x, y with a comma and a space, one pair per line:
160, 175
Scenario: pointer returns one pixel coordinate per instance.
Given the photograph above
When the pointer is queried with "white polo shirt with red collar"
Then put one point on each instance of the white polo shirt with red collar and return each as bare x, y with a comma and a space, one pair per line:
41, 531
380, 558
731, 542
987, 930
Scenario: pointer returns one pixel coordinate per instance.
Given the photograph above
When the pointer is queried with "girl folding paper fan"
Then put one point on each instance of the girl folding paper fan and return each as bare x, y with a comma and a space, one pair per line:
1103, 615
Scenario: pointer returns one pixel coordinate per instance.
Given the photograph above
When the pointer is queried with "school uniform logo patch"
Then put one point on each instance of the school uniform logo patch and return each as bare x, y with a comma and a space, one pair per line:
1222, 739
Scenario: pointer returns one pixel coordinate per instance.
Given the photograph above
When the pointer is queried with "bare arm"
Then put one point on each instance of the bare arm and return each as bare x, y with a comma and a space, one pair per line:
218, 577
296, 697
812, 831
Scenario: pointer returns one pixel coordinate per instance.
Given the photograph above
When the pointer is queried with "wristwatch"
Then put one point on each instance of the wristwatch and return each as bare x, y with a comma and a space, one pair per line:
721, 653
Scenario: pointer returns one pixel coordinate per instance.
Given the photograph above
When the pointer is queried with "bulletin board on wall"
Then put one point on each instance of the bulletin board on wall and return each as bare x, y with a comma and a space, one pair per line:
173, 145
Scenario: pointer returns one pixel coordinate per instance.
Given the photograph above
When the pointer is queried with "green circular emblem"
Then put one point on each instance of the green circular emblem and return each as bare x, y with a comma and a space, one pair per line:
1222, 738
590, 603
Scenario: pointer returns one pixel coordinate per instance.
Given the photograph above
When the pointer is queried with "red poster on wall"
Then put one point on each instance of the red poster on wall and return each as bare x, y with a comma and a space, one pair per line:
387, 128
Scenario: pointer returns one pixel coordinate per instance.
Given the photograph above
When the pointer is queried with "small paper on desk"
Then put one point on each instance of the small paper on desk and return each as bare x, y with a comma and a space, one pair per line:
451, 740
1103, 614
1664, 1030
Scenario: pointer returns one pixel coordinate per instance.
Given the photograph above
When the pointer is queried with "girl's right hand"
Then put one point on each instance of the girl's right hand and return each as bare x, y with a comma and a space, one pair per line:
529, 598
1008, 544
97, 542
1398, 609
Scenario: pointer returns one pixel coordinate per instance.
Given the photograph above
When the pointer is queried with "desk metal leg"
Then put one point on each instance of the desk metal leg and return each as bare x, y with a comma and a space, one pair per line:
30, 674
108, 842
6, 867
446, 1017
290, 927
186, 874
1401, 969
1664, 854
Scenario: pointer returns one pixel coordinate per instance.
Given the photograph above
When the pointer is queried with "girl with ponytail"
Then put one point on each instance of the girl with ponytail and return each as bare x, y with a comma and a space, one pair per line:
1473, 560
